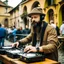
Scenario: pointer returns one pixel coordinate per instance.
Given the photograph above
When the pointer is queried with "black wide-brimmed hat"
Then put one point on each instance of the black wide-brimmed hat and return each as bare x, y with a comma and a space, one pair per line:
36, 10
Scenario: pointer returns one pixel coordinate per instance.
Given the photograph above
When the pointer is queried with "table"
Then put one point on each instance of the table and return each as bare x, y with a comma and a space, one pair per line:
8, 60
61, 41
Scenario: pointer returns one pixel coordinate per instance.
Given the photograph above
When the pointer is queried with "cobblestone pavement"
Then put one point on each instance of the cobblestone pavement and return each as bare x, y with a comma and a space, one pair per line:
60, 52
61, 55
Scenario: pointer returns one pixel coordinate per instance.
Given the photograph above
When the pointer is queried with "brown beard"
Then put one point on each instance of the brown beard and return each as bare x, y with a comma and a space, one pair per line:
36, 25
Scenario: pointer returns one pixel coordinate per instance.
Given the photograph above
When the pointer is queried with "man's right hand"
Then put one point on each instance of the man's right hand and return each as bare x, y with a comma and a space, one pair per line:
16, 44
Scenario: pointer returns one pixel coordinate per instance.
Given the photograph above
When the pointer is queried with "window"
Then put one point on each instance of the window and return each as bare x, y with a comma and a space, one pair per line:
50, 2
51, 15
23, 0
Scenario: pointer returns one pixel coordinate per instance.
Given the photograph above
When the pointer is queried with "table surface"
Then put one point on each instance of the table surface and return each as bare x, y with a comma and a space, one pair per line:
8, 60
60, 37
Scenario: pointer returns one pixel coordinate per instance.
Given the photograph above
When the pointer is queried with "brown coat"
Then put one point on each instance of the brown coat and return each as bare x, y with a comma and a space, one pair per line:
49, 42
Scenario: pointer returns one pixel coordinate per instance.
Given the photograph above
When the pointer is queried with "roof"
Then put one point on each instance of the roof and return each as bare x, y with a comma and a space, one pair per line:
22, 2
3, 4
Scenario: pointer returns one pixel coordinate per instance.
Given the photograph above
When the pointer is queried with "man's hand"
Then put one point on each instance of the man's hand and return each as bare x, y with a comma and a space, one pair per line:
16, 44
30, 49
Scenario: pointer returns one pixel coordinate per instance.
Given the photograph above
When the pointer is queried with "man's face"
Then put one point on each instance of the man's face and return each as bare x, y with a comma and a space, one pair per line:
35, 17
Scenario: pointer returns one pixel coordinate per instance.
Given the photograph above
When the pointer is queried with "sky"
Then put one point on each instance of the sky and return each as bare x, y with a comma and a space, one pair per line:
13, 3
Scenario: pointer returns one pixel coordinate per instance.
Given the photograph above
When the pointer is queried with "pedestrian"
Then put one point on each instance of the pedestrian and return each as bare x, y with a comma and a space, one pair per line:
2, 35
26, 30
58, 30
52, 23
43, 36
55, 26
62, 29
18, 33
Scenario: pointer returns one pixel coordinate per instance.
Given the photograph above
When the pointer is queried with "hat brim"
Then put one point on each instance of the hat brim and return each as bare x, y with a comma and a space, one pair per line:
29, 15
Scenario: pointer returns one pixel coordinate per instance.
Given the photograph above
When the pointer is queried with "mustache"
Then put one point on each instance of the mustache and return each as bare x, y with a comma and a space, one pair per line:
34, 23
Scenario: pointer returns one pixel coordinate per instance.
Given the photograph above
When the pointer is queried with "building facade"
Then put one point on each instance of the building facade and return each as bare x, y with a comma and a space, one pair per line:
4, 15
53, 10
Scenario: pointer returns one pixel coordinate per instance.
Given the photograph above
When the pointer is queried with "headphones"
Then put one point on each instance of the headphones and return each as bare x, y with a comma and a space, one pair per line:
42, 17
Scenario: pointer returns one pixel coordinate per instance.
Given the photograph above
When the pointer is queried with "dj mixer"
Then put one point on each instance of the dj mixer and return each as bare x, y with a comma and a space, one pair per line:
23, 56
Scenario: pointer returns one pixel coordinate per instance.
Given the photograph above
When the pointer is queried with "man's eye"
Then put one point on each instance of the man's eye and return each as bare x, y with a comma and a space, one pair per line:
35, 17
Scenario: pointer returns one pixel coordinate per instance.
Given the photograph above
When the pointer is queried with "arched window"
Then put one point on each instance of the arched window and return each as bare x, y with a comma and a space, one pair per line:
50, 2
6, 22
62, 10
35, 4
24, 14
51, 15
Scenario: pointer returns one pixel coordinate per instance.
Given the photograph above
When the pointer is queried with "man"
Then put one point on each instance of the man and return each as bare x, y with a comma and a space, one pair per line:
2, 35
55, 26
26, 30
62, 29
52, 23
18, 31
46, 44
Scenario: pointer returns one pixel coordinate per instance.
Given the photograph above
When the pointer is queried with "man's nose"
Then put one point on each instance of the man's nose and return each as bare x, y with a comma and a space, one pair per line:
33, 19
